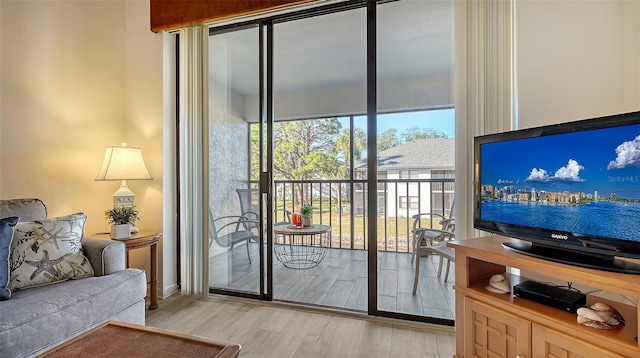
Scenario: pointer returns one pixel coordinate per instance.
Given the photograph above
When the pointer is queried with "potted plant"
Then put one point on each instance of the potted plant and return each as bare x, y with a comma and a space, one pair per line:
121, 219
306, 211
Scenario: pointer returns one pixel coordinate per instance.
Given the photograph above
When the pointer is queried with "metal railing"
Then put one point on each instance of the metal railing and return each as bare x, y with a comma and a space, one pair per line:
342, 204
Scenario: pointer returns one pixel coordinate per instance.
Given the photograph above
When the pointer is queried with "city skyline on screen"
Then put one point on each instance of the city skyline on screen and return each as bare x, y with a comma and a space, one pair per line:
606, 161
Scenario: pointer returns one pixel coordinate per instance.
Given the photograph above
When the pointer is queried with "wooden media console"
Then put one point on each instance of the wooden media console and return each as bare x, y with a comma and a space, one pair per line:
502, 325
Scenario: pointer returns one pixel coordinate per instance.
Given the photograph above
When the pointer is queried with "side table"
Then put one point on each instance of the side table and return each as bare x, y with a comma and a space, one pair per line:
301, 247
142, 239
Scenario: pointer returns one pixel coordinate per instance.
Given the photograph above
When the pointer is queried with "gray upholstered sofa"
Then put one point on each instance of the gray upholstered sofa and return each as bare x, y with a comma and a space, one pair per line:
36, 319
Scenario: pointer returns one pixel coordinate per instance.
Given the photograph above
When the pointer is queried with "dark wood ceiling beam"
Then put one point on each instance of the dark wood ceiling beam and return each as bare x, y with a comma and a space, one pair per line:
172, 14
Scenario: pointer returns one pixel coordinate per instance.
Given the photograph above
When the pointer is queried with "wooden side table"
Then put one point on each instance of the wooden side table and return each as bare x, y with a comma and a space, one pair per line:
143, 239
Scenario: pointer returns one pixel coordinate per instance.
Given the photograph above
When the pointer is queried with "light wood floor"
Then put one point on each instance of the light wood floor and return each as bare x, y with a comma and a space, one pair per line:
340, 281
276, 330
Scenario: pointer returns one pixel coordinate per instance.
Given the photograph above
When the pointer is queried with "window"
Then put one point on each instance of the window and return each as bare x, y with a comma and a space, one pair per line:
382, 175
443, 174
382, 203
409, 174
413, 202
441, 203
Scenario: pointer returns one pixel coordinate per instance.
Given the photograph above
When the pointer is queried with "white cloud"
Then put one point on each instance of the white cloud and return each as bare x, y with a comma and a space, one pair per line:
568, 173
628, 154
505, 181
538, 175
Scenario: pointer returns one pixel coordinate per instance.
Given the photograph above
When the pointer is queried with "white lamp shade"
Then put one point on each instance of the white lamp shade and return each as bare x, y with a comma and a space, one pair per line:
123, 163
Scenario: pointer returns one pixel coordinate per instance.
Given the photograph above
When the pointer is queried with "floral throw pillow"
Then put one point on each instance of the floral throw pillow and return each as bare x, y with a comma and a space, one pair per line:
48, 251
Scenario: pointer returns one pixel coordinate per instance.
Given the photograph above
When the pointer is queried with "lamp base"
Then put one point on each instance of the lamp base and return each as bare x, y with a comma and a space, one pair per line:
123, 200
123, 196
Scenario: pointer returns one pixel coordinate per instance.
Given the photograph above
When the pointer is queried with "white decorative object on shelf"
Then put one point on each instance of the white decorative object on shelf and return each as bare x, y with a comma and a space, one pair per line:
498, 284
599, 316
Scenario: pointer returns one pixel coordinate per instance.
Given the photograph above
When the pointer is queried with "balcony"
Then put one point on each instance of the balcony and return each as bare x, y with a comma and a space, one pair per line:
333, 207
340, 280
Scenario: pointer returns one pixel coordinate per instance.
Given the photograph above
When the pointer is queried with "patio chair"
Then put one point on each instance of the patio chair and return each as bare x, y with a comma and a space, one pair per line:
227, 235
418, 232
249, 208
433, 242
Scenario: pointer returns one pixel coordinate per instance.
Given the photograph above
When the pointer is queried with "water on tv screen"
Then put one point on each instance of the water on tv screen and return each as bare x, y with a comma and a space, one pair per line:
585, 183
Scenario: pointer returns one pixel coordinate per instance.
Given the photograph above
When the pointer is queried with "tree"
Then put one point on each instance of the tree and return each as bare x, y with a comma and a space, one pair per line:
388, 139
416, 132
343, 142
321, 149
303, 150
255, 152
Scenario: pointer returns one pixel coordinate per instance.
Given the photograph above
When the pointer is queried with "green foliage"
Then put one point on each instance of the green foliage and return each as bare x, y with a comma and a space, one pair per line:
255, 150
359, 144
315, 149
121, 215
305, 149
388, 139
306, 210
416, 132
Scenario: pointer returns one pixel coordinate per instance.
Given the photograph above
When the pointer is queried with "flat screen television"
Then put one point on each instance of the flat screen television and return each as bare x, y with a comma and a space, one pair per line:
571, 191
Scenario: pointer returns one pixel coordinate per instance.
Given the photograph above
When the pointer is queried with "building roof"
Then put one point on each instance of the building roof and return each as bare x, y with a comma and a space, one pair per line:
420, 153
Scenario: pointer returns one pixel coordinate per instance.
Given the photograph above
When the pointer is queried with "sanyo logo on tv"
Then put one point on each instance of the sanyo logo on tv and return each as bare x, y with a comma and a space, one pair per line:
559, 237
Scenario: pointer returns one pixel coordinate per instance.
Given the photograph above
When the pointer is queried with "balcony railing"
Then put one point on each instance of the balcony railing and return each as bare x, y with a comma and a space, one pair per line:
342, 204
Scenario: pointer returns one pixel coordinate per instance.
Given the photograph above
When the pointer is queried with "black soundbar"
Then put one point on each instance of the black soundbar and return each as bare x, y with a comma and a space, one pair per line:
551, 296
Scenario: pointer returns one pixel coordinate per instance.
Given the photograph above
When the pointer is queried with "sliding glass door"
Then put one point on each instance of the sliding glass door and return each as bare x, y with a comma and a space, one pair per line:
236, 233
348, 109
319, 76
415, 152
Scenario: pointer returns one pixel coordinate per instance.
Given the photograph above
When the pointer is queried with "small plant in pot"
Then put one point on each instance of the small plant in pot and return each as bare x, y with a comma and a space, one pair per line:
121, 219
306, 211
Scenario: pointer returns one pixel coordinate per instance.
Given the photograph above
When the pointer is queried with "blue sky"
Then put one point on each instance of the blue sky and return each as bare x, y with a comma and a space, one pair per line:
440, 120
606, 160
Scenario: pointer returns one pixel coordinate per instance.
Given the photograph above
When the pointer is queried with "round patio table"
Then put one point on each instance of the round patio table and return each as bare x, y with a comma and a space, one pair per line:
301, 247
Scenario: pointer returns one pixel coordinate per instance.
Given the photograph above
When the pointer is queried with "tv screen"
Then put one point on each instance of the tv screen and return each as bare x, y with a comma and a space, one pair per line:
574, 186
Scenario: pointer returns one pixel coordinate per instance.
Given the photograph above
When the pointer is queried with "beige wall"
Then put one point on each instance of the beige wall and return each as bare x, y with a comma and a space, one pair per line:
78, 76
61, 86
576, 59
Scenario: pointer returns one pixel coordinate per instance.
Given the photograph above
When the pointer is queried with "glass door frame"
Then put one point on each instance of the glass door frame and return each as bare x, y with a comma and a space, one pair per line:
266, 173
267, 119
264, 184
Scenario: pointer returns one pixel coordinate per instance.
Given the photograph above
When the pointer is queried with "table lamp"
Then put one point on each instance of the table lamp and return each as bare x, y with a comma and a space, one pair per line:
123, 163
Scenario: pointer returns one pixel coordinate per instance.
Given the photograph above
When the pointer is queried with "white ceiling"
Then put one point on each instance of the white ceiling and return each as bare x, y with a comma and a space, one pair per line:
415, 40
